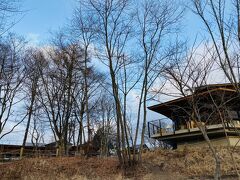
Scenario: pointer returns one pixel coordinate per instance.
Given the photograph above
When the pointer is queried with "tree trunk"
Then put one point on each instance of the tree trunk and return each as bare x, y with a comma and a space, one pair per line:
33, 94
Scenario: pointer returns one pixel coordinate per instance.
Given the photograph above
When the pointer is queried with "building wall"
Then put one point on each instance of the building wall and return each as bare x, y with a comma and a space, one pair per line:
234, 141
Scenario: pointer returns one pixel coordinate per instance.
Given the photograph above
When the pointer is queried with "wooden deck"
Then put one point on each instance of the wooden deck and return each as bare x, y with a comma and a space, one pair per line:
169, 134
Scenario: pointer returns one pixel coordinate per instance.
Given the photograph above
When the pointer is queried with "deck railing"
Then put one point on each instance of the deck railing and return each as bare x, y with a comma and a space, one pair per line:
162, 127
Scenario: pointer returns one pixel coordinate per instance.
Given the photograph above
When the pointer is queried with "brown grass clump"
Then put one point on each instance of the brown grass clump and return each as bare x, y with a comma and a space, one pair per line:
60, 168
191, 162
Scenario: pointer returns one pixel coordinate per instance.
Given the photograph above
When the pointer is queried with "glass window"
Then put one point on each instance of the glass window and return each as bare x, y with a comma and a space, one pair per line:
234, 114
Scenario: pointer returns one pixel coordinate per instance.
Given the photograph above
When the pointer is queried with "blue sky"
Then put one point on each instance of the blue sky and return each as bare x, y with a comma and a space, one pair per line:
42, 16
38, 19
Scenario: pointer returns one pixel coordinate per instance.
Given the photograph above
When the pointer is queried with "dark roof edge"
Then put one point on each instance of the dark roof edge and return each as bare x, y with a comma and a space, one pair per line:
186, 97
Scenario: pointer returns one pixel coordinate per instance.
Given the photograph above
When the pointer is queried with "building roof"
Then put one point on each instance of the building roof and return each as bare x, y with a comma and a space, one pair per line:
180, 106
38, 144
28, 144
55, 144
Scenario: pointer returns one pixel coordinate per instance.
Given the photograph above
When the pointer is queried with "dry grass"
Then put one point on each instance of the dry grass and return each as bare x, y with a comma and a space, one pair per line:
60, 168
160, 164
191, 162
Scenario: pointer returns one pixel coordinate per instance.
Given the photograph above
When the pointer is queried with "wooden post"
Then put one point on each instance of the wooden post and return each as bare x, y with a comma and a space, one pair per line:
21, 152
174, 128
188, 125
57, 152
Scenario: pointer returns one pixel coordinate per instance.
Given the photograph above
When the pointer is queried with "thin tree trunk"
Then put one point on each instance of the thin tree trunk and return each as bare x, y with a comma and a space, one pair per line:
33, 94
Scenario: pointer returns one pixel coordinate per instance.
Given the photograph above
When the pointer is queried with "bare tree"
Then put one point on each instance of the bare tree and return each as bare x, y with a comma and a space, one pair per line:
11, 77
38, 128
59, 85
186, 77
129, 77
84, 119
33, 64
222, 22
157, 21
112, 30
83, 25
8, 9
106, 123
223, 29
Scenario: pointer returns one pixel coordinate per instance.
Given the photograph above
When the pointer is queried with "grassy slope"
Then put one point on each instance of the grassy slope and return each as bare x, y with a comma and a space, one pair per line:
160, 164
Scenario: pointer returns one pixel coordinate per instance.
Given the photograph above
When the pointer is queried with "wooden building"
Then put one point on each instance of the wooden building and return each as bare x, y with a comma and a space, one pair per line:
216, 108
11, 151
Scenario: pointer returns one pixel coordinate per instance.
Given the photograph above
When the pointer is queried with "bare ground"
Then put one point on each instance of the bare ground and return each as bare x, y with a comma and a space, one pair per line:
160, 164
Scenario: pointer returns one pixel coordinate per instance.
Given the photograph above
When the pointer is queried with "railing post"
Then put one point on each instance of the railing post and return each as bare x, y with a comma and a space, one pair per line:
149, 133
174, 128
228, 127
160, 127
153, 129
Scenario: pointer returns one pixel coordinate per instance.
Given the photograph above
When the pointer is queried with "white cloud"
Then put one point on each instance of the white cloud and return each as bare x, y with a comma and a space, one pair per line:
33, 39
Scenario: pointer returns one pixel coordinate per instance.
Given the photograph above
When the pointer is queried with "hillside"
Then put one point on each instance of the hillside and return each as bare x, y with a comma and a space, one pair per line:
159, 164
